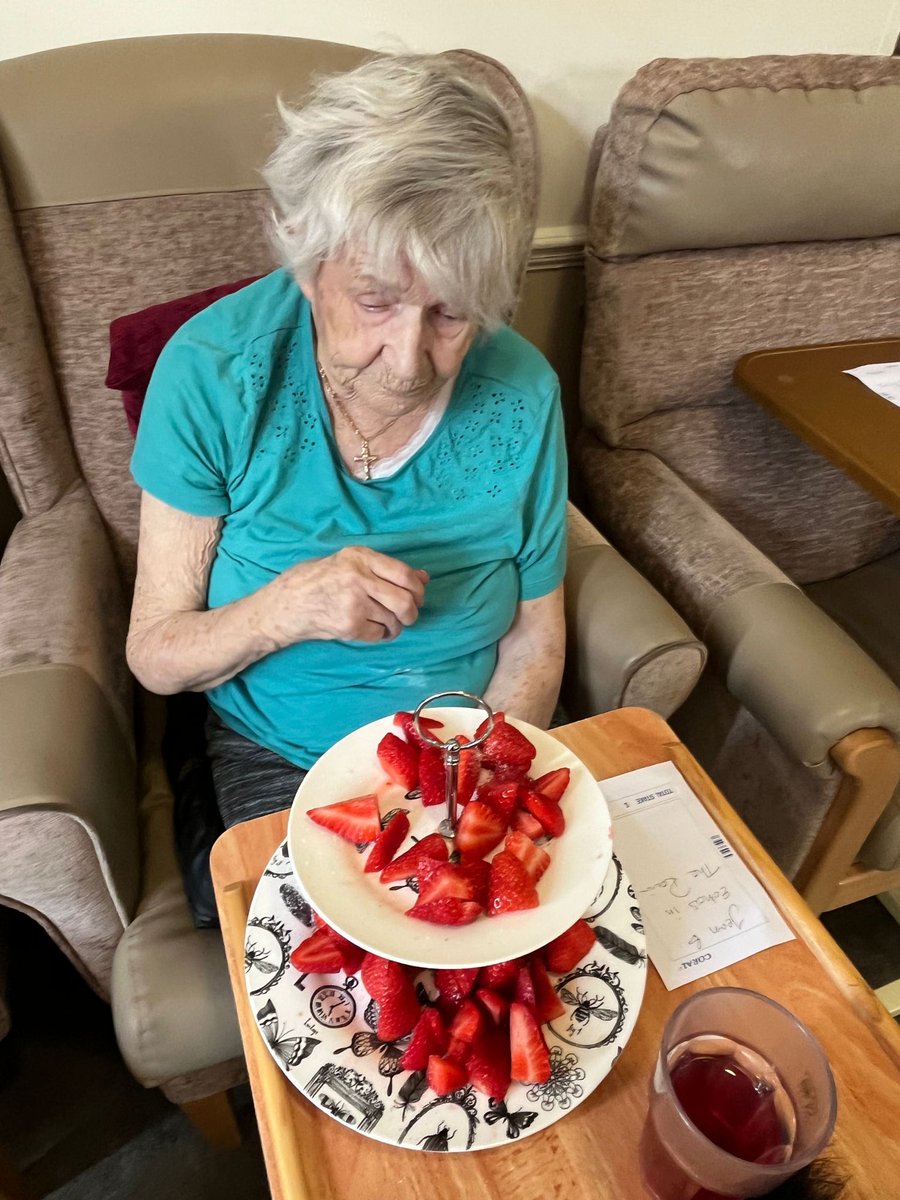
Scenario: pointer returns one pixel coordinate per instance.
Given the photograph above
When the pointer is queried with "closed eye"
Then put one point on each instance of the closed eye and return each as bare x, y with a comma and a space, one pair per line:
375, 298
445, 314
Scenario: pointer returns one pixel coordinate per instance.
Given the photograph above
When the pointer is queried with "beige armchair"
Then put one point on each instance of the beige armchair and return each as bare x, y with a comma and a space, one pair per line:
131, 175
739, 204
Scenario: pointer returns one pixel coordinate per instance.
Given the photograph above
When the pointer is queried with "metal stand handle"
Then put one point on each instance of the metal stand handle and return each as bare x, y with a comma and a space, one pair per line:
451, 751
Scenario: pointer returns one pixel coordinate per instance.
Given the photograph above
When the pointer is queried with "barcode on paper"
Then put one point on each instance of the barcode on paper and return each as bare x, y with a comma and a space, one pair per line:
721, 845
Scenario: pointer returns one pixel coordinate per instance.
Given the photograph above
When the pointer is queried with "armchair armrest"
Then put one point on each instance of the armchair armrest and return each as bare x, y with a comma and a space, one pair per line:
625, 644
61, 599
793, 668
64, 763
798, 672
66, 748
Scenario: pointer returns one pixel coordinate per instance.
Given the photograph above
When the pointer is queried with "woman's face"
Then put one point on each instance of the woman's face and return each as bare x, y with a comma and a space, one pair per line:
388, 343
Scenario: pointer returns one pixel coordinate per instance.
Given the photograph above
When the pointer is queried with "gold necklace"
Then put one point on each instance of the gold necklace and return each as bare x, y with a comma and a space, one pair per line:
366, 457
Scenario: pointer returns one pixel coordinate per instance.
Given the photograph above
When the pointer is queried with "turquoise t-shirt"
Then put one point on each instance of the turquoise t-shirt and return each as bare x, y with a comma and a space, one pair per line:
235, 425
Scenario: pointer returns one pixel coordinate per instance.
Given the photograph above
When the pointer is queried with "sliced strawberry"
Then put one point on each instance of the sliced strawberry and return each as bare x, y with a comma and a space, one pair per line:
525, 988
547, 812
405, 721
390, 986
533, 858
553, 784
380, 975
505, 745
426, 869
482, 728
479, 830
468, 1022
357, 819
388, 842
444, 1076
446, 880
446, 910
509, 773
488, 1063
432, 779
503, 797
399, 761
478, 873
530, 1058
455, 983
497, 1006
319, 953
527, 824
547, 1004
467, 774
457, 1051
351, 954
404, 866
565, 951
429, 1037
501, 976
509, 889
397, 1014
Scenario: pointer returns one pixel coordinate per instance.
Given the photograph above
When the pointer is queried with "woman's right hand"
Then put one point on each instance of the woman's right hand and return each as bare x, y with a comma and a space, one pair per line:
355, 595
176, 643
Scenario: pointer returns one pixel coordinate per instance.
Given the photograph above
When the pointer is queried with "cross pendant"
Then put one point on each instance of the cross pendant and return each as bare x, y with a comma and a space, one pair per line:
366, 459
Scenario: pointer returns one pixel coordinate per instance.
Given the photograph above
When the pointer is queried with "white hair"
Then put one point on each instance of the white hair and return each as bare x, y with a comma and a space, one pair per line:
407, 161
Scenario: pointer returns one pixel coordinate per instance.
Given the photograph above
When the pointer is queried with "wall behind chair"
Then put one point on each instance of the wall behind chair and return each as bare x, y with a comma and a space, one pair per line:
571, 56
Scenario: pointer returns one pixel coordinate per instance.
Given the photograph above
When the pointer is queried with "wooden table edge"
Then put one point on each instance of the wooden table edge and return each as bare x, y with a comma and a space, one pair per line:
272, 1093
769, 351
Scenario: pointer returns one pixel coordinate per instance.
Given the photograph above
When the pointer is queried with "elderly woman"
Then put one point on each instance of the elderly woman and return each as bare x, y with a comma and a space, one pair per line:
353, 472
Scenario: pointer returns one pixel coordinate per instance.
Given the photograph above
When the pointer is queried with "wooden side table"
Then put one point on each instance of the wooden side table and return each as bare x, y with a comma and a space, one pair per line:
593, 1151
806, 388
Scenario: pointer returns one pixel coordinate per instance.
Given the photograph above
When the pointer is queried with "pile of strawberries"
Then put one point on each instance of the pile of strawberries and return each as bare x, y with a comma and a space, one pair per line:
484, 1027
499, 802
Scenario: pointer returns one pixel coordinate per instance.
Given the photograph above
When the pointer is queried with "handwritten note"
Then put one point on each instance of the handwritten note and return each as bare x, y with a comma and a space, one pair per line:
883, 378
703, 909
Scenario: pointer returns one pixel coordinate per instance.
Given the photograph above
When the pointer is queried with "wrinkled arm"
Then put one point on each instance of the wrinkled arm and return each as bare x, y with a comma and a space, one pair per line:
526, 680
176, 643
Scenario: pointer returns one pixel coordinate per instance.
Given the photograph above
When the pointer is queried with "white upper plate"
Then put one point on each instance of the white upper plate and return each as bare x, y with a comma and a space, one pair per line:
373, 915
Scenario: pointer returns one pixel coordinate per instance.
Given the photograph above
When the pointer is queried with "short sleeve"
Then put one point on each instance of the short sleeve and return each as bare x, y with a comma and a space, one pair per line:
542, 561
190, 417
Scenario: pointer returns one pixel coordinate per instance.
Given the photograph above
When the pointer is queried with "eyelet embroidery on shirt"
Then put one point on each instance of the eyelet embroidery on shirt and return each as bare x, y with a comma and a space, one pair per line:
472, 448
288, 428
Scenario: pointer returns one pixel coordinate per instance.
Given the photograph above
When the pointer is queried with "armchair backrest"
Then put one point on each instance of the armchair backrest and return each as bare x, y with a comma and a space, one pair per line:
740, 204
132, 177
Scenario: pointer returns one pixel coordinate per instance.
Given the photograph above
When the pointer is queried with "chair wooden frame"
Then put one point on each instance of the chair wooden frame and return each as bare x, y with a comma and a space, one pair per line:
869, 760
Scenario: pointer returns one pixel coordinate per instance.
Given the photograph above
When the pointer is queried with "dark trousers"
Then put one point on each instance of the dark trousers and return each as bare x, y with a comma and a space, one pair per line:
250, 781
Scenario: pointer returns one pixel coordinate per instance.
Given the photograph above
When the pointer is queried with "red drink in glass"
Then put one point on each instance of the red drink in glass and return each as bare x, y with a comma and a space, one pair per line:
735, 1099
723, 1123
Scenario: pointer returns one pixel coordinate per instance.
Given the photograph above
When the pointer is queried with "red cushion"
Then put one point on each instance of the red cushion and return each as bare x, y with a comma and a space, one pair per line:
136, 340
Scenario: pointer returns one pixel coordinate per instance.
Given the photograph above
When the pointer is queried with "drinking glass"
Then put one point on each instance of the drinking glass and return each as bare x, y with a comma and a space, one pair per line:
737, 1075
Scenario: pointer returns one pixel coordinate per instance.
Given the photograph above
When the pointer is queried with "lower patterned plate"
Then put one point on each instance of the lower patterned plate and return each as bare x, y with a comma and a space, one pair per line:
320, 1028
